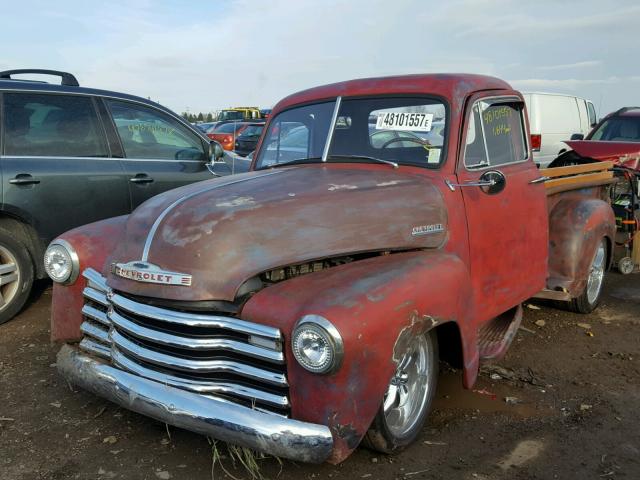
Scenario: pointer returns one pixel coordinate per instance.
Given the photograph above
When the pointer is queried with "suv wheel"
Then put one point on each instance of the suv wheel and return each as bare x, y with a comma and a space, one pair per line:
16, 276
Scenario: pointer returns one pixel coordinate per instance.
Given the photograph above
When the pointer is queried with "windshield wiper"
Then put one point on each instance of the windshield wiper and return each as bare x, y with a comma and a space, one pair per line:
365, 157
294, 162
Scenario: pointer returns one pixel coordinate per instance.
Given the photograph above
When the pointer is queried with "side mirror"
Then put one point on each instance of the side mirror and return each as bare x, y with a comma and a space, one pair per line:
577, 136
216, 152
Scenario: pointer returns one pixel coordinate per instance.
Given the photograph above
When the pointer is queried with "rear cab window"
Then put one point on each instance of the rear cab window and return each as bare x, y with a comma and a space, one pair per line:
52, 125
495, 134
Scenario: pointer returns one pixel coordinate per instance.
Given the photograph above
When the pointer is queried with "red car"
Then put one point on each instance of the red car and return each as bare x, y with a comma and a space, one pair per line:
227, 133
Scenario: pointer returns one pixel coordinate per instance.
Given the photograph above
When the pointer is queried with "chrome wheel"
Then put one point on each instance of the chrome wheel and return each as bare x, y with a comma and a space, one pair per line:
9, 277
408, 390
596, 273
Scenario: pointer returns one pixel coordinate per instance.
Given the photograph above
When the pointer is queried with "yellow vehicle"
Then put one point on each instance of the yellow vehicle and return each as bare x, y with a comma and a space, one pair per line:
239, 113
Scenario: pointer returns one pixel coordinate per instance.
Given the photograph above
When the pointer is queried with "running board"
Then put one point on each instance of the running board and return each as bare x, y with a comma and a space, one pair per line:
495, 336
553, 295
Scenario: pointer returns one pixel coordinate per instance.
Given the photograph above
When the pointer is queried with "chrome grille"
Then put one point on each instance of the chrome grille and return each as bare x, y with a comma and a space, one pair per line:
213, 355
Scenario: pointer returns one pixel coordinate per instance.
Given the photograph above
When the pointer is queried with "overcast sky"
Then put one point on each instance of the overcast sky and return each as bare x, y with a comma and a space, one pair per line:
204, 55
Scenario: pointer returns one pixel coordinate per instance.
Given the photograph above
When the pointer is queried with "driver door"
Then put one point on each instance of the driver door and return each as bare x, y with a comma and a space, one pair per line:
160, 153
507, 221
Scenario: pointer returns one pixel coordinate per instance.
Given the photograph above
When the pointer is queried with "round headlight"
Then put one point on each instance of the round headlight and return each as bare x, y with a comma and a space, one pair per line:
61, 262
317, 344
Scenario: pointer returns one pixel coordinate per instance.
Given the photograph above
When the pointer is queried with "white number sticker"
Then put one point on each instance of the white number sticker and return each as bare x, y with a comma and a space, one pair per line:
413, 122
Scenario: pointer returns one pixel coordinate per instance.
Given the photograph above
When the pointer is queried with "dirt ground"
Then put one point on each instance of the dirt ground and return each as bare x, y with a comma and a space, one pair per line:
572, 384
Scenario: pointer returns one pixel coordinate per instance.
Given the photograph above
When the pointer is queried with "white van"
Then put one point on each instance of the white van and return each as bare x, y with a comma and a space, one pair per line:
555, 118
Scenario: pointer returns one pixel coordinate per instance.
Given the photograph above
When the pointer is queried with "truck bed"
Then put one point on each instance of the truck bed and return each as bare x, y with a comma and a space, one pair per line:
576, 195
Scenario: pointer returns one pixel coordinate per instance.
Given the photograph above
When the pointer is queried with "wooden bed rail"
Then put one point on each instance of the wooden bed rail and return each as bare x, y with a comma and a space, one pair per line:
577, 176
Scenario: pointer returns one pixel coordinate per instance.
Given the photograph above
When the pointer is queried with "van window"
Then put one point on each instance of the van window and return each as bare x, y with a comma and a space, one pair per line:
592, 114
495, 135
52, 126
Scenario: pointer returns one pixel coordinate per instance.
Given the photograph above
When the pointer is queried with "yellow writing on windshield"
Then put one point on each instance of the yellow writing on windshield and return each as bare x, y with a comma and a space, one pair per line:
496, 113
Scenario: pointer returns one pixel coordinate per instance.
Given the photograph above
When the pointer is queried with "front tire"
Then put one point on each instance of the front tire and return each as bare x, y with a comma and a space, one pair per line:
589, 299
408, 399
16, 276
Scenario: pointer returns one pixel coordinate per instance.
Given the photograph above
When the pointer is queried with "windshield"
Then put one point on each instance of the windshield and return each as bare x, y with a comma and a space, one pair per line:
405, 130
618, 129
230, 115
252, 131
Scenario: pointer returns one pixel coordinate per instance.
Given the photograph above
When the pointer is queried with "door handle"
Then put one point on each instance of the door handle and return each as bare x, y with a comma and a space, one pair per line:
490, 182
480, 183
539, 180
141, 178
24, 179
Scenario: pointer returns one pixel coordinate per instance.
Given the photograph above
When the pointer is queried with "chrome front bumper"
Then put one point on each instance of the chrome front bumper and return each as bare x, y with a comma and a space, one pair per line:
207, 415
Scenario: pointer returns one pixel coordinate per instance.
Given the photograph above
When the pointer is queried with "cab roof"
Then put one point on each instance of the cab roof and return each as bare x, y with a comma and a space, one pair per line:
453, 86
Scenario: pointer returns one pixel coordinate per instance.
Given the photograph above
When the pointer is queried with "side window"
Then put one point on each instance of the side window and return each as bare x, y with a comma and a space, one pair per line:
592, 114
495, 135
147, 133
52, 125
289, 141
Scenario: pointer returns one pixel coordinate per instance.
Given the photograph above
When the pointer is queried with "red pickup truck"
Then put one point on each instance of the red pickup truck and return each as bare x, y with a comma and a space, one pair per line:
303, 307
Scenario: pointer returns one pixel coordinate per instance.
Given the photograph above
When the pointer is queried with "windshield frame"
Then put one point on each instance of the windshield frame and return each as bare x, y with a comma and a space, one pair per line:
340, 100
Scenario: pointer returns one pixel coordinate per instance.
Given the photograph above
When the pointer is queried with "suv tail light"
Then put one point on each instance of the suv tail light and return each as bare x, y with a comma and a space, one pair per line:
536, 142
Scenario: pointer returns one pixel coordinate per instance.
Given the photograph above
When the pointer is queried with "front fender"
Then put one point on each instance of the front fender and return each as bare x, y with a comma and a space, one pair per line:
371, 303
576, 225
93, 243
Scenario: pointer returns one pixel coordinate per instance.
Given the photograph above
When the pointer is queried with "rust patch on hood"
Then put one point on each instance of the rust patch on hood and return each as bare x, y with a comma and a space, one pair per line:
224, 234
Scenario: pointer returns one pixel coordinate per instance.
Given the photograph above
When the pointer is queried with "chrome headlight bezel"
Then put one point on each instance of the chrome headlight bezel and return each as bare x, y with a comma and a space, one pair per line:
72, 256
329, 333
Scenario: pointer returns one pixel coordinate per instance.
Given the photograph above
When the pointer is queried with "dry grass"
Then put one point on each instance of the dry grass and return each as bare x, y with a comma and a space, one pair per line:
241, 457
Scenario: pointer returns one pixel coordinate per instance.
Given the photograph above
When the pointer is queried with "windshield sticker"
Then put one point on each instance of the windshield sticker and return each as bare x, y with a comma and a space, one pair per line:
434, 155
413, 122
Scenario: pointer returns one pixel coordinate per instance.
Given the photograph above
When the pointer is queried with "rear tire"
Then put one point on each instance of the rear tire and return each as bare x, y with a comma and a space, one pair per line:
16, 276
408, 399
589, 299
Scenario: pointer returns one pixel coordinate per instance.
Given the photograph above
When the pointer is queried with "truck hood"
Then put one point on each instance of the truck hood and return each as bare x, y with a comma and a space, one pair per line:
620, 152
225, 231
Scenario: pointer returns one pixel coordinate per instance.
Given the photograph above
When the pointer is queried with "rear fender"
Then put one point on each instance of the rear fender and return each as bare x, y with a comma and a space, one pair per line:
575, 227
376, 305
93, 243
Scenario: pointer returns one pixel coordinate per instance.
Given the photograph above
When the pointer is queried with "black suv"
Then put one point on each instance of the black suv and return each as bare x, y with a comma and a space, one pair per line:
71, 156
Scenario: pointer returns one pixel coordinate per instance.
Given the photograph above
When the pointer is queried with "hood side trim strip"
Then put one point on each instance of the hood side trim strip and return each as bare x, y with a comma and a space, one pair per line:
165, 212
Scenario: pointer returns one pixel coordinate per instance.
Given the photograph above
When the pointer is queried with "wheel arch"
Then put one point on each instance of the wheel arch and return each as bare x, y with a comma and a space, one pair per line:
576, 225
26, 233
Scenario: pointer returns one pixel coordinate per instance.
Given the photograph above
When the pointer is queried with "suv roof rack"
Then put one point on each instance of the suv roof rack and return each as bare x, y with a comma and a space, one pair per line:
66, 78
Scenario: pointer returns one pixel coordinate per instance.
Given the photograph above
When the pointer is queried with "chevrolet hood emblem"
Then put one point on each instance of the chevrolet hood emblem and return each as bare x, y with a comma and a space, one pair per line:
149, 273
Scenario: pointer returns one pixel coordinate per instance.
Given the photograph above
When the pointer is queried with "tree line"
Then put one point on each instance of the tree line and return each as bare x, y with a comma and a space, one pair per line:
198, 117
